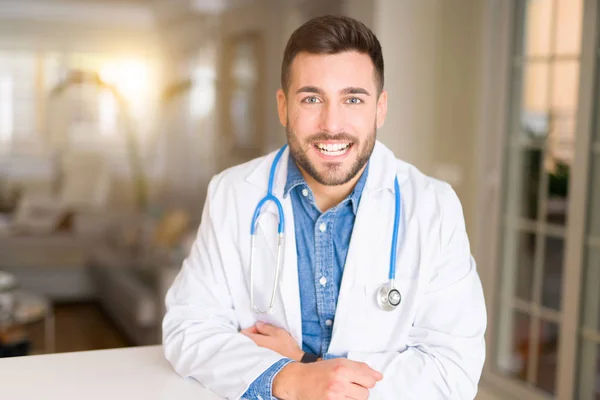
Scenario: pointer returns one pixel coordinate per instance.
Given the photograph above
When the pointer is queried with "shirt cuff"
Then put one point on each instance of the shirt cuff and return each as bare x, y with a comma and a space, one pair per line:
262, 387
329, 356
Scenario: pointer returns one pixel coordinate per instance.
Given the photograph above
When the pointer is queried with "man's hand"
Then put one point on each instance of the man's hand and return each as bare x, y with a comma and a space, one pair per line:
329, 380
276, 339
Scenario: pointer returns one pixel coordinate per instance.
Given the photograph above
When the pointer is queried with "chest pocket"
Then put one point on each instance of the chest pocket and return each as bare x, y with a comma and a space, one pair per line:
388, 330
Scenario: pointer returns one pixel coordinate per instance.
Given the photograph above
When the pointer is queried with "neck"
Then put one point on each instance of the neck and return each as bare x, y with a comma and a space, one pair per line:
327, 197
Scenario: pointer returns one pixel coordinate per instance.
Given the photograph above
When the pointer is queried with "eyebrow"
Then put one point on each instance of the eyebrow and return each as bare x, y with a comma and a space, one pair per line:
309, 89
355, 90
348, 90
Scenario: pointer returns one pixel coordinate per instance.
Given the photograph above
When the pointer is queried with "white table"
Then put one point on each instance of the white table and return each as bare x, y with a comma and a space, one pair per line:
130, 373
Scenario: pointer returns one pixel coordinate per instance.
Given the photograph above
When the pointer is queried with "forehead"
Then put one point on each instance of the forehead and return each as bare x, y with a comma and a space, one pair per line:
332, 71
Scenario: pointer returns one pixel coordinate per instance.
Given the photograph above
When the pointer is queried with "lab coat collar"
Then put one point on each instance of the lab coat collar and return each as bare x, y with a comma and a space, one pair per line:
382, 169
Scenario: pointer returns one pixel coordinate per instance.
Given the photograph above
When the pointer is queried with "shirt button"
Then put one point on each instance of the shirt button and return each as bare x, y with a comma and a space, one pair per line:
328, 322
323, 281
304, 192
322, 227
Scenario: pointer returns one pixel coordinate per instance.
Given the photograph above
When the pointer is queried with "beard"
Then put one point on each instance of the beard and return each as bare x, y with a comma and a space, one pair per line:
333, 173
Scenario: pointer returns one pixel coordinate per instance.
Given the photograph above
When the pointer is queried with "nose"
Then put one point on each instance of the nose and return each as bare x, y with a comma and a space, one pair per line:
331, 118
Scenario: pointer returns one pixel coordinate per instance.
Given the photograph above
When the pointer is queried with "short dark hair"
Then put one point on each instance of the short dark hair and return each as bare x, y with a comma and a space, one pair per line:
332, 35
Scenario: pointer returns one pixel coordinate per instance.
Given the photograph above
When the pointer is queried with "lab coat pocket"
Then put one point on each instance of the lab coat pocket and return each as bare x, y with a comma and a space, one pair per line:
388, 330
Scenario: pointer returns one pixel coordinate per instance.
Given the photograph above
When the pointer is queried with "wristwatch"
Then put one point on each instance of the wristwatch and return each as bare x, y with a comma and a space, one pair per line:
309, 358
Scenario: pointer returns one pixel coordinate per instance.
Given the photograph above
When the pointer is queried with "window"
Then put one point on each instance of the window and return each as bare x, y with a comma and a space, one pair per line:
6, 109
35, 114
19, 117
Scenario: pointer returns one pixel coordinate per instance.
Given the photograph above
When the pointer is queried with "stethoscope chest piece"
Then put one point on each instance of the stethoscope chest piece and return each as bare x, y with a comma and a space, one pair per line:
388, 297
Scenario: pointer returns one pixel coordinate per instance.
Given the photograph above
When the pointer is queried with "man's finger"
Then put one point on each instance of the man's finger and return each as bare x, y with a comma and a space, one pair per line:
364, 375
365, 369
266, 329
360, 378
259, 339
251, 329
357, 392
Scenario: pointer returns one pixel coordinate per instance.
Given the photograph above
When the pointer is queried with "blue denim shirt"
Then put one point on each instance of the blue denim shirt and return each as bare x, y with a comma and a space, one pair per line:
322, 242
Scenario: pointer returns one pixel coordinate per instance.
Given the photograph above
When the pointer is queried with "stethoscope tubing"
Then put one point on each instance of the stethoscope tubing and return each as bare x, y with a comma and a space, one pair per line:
281, 231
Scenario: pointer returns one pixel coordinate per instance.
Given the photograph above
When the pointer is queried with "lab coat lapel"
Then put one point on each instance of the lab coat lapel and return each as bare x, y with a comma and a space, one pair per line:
369, 247
289, 286
369, 251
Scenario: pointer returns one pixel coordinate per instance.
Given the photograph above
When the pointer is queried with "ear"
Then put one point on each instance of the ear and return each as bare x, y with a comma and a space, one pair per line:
381, 108
282, 107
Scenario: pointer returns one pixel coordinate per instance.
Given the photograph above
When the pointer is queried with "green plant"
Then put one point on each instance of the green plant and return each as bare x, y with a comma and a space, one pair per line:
558, 185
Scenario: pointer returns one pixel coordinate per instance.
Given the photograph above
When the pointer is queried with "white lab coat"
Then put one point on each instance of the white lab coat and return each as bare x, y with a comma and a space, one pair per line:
431, 347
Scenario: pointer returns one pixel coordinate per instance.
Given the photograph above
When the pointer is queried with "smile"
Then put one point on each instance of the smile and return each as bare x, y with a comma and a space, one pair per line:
333, 149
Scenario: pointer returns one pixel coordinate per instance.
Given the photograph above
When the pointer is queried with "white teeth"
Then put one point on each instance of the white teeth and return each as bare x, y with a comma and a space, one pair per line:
333, 149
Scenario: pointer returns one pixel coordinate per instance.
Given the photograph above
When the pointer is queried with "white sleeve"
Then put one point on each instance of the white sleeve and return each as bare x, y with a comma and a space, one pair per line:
200, 329
446, 347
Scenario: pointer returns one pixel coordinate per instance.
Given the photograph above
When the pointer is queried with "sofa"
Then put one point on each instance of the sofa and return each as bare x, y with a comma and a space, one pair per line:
132, 294
133, 268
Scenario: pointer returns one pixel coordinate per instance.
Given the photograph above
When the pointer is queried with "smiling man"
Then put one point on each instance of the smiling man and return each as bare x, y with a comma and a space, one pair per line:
371, 293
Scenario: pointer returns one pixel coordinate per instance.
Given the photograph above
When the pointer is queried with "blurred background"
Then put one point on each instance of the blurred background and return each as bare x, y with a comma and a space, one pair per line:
114, 115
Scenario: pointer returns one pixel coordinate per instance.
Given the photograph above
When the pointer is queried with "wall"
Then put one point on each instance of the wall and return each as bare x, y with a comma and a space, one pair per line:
459, 89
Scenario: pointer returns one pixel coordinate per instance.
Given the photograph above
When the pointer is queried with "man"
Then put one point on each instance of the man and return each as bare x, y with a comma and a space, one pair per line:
337, 326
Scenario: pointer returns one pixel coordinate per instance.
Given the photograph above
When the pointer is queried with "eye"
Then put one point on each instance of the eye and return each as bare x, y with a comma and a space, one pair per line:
311, 100
354, 100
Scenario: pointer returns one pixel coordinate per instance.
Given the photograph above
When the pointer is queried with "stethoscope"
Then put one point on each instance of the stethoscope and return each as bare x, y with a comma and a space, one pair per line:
388, 297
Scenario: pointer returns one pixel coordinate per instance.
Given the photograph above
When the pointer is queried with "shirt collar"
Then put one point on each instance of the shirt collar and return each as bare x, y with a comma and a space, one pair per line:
358, 188
295, 178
